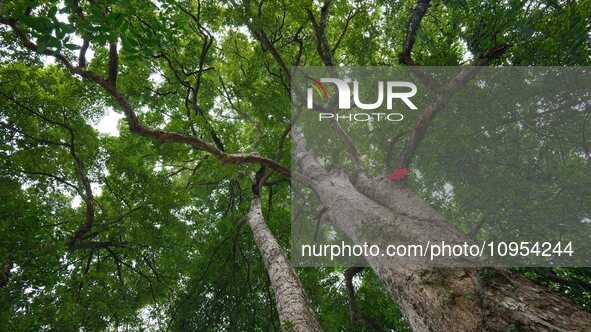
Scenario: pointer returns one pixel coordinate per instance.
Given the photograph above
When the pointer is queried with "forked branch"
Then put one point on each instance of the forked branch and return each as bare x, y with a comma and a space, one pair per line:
134, 124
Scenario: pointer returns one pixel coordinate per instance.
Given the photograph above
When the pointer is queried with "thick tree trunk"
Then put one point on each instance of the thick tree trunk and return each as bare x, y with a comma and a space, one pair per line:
293, 307
442, 299
504, 299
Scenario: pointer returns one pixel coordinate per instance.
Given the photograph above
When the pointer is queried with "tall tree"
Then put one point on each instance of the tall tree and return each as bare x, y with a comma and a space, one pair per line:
204, 90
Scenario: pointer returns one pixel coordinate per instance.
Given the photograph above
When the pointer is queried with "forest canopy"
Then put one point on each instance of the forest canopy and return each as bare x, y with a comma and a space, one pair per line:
178, 216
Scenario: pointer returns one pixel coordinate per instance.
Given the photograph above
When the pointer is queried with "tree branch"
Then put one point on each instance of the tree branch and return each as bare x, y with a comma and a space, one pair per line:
324, 51
82, 54
96, 245
411, 33
443, 92
113, 63
348, 19
405, 56
322, 45
136, 127
5, 273
356, 316
443, 95
86, 191
264, 40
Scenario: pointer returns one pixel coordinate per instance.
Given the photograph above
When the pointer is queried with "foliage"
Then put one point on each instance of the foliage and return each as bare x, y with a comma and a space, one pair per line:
187, 261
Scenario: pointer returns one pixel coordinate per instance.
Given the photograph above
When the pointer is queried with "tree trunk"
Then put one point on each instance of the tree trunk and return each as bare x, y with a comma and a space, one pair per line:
292, 302
441, 299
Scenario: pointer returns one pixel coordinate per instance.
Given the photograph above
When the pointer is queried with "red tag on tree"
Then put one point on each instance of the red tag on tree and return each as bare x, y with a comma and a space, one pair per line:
400, 173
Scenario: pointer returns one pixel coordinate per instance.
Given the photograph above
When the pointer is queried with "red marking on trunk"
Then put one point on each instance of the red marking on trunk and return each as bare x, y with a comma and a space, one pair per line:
400, 173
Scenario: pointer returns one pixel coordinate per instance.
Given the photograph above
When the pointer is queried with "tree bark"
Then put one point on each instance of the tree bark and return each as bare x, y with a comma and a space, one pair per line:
505, 299
439, 299
292, 302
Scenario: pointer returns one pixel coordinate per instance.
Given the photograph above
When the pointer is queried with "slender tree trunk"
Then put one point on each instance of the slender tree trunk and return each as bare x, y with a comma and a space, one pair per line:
292, 302
442, 299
